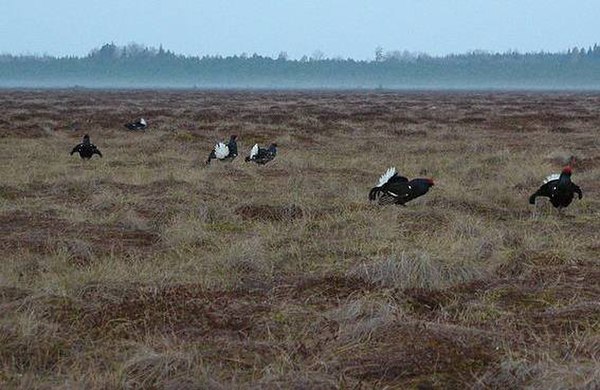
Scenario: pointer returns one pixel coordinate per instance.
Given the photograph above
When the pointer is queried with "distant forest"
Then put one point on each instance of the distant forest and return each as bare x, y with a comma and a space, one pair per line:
136, 66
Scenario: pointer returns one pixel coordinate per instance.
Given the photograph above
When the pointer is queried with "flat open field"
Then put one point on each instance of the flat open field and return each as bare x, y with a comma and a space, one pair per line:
148, 269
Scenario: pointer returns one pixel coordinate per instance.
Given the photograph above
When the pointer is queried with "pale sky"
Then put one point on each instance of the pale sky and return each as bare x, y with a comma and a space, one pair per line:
346, 28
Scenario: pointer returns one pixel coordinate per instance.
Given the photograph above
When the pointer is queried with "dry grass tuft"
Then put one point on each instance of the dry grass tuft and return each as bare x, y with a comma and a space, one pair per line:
413, 270
149, 369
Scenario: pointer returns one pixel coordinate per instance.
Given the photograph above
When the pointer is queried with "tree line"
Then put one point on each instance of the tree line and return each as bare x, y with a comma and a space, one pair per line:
139, 66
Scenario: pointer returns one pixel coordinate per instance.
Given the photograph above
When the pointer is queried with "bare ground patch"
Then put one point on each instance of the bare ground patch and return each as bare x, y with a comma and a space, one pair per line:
45, 232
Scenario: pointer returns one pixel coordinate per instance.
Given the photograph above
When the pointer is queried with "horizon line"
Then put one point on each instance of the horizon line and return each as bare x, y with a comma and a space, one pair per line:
378, 50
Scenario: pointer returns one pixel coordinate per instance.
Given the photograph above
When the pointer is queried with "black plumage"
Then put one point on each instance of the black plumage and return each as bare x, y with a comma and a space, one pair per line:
86, 149
559, 188
393, 188
140, 124
232, 145
224, 151
261, 155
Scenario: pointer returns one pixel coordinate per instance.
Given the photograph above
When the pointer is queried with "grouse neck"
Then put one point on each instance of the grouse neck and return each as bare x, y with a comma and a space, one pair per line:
564, 179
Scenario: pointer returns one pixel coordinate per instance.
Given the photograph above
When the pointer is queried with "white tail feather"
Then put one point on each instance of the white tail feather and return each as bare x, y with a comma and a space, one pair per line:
221, 150
254, 151
143, 122
554, 176
386, 176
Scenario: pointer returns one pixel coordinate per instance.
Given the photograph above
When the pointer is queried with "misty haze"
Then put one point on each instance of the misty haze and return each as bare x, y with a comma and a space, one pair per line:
136, 66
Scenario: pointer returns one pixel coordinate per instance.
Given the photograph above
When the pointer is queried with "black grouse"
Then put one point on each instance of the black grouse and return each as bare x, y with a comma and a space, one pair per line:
559, 188
261, 155
393, 188
140, 124
224, 151
86, 149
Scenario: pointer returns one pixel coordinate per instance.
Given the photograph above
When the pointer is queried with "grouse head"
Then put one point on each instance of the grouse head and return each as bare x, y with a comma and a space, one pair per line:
430, 182
567, 170
86, 139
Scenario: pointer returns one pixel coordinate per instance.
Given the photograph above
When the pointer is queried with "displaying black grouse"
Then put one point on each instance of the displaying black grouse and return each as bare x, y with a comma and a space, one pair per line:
393, 188
140, 124
559, 188
261, 155
224, 151
86, 149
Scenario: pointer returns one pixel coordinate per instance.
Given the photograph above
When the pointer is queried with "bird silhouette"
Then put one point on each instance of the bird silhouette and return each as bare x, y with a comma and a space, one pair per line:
261, 155
559, 188
224, 151
140, 124
393, 188
86, 149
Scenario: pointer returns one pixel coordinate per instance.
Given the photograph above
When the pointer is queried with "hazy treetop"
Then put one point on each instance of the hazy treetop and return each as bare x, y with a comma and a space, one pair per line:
345, 28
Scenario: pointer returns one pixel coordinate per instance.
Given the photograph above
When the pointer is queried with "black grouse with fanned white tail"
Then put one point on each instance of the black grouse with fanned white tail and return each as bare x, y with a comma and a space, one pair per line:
86, 149
559, 188
261, 155
396, 189
140, 124
224, 151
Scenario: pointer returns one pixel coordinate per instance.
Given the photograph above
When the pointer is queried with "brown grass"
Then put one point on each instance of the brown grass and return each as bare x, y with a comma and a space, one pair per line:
147, 269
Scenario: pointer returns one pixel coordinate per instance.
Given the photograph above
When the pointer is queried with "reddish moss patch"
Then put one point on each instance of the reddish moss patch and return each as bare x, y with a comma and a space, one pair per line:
43, 232
177, 309
10, 193
424, 302
270, 213
406, 352
581, 317
9, 294
330, 286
